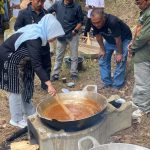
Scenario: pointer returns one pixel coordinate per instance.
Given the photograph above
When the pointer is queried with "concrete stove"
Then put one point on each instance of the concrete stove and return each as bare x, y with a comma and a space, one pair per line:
48, 139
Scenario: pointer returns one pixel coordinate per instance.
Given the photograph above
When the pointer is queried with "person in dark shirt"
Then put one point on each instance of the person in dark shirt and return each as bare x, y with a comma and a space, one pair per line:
33, 14
20, 57
70, 16
111, 34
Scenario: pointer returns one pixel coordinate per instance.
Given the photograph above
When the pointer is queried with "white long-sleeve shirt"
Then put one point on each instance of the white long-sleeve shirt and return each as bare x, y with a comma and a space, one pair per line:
15, 11
49, 3
96, 3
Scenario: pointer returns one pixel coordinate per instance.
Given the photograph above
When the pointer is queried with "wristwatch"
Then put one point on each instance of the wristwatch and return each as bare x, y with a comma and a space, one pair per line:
76, 31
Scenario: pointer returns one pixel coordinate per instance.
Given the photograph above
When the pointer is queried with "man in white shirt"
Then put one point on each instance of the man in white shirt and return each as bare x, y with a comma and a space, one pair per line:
15, 5
90, 4
48, 4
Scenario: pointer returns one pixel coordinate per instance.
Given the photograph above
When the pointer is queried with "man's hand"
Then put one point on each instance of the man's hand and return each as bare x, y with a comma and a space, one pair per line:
73, 33
130, 54
76, 30
101, 53
99, 39
119, 58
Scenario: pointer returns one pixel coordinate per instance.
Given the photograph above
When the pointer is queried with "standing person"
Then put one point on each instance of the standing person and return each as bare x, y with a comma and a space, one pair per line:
20, 57
2, 11
90, 5
15, 6
111, 34
47, 5
6, 8
140, 48
70, 16
33, 14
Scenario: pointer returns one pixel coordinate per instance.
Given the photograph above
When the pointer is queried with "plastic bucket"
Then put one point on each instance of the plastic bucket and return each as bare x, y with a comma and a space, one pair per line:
67, 60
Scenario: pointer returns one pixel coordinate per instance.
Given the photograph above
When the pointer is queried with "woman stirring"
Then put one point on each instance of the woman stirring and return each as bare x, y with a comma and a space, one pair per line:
19, 58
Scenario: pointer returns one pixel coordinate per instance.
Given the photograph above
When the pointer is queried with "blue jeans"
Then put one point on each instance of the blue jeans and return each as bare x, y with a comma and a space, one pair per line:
105, 65
19, 108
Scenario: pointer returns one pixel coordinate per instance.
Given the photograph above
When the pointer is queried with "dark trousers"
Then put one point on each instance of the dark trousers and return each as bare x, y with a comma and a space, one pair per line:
1, 23
87, 26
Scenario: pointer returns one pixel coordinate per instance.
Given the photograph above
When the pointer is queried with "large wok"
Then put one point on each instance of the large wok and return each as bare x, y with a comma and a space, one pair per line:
111, 146
73, 97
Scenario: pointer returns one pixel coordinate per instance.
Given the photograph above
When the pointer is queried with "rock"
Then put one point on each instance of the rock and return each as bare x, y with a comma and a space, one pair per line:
116, 138
23, 145
2, 122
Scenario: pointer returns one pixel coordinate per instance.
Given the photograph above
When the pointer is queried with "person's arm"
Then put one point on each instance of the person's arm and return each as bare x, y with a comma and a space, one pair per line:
99, 39
80, 21
34, 47
119, 55
143, 37
136, 33
116, 32
19, 21
51, 90
76, 29
78, 26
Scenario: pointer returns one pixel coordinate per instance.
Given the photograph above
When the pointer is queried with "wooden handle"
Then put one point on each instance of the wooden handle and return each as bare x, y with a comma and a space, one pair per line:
66, 110
88, 42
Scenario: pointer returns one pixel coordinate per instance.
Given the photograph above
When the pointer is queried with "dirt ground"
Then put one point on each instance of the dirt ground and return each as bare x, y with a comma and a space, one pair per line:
137, 134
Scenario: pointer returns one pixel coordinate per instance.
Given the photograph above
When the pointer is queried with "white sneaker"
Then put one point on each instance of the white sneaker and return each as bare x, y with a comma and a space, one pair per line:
23, 123
134, 107
137, 114
20, 124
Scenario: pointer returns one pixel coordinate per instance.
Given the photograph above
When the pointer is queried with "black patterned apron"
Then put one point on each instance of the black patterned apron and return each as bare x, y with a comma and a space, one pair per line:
17, 75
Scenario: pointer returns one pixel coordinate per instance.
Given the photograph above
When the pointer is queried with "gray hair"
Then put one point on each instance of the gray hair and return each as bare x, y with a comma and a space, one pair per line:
97, 12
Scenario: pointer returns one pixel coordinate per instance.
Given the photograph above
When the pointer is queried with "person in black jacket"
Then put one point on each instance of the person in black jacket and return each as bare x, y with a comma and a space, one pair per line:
20, 57
33, 14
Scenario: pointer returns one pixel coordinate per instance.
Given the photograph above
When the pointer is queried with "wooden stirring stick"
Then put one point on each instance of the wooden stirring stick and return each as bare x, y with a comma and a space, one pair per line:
66, 110
88, 42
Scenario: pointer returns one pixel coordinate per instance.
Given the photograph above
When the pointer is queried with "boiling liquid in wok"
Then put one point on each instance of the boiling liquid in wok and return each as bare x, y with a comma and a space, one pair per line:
79, 110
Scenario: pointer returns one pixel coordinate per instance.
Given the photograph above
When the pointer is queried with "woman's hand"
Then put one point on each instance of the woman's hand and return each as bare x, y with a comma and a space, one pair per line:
51, 90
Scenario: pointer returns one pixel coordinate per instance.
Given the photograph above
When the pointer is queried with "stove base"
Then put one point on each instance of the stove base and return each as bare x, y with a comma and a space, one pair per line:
48, 139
